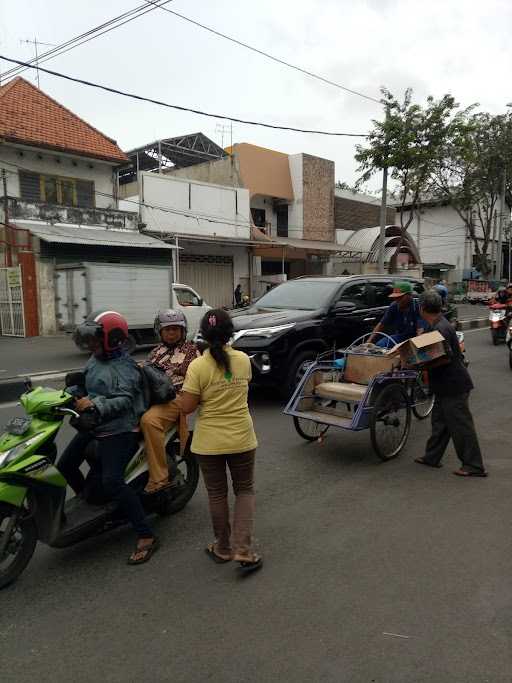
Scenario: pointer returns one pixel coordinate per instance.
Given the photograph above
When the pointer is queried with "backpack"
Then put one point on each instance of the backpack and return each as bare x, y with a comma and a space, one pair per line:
156, 385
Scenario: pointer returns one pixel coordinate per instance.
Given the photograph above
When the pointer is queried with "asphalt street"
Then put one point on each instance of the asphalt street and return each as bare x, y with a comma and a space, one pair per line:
374, 573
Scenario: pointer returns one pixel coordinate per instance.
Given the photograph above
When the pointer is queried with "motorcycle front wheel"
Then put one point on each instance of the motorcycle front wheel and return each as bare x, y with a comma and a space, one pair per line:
18, 547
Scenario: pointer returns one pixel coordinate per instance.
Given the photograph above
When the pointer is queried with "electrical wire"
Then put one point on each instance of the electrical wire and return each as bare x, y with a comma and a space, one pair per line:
266, 54
85, 37
160, 103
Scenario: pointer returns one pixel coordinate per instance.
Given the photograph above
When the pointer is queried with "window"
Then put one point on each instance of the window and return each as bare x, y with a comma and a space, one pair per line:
259, 217
49, 189
186, 297
355, 293
282, 220
299, 295
382, 291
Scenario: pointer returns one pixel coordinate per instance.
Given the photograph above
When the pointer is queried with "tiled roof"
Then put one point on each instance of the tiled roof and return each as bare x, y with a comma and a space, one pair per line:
30, 117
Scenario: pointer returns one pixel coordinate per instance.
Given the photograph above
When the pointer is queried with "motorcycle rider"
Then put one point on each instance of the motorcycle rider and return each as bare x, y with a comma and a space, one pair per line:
173, 355
503, 296
402, 319
449, 310
113, 388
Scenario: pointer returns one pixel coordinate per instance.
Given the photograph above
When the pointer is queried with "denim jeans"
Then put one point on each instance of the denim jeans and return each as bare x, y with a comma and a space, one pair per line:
114, 452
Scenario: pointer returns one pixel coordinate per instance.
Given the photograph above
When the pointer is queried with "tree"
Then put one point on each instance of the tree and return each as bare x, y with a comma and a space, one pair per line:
470, 175
409, 142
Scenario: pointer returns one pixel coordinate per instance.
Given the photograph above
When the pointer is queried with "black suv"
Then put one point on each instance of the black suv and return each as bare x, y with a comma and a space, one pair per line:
294, 322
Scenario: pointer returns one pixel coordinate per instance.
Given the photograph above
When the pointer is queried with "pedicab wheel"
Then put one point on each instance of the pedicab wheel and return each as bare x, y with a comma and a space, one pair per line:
184, 471
390, 421
422, 399
309, 429
20, 544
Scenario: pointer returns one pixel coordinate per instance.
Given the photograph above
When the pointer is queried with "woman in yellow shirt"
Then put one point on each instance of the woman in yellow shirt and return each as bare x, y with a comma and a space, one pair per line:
218, 383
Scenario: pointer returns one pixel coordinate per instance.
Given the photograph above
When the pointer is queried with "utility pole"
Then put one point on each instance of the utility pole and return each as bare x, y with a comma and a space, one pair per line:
35, 43
6, 227
383, 212
493, 244
499, 255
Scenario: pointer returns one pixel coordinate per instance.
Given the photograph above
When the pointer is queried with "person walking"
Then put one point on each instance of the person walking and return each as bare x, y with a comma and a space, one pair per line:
224, 438
451, 384
237, 295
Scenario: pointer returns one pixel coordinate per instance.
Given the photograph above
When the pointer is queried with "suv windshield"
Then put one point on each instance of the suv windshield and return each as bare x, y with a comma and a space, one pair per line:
300, 295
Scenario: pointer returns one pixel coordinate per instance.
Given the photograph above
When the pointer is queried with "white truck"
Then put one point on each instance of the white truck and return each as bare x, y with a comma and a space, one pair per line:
135, 291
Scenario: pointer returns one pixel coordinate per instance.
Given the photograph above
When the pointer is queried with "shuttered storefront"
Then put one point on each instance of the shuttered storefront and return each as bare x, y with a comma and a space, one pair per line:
210, 276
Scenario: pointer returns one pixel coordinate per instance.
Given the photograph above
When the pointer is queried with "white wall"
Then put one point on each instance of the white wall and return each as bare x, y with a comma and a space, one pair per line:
296, 208
70, 167
210, 209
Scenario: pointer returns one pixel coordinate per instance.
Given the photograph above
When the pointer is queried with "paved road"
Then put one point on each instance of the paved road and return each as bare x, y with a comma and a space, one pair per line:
384, 573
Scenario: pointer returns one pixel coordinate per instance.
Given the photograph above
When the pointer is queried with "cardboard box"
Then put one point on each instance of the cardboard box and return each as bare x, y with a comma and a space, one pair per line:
419, 350
361, 368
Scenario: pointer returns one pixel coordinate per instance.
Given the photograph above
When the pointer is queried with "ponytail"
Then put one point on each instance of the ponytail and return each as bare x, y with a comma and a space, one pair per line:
217, 329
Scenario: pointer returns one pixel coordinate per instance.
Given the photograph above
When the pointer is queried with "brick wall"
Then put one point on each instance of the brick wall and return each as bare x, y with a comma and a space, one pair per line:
352, 214
318, 206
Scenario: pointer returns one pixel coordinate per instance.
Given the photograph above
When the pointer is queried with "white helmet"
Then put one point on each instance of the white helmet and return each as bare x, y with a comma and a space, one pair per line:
170, 318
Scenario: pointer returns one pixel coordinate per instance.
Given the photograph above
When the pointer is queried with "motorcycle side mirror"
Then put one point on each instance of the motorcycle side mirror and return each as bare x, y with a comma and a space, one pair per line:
28, 384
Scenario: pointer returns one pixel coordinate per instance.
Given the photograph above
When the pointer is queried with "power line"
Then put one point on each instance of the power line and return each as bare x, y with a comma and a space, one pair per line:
267, 55
85, 37
141, 98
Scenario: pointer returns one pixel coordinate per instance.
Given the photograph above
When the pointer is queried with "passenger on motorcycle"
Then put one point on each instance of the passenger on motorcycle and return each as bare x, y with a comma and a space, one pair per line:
503, 296
402, 319
173, 355
113, 392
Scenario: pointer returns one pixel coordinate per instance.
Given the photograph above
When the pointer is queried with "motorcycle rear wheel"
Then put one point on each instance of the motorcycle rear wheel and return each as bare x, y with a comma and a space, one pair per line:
20, 546
185, 472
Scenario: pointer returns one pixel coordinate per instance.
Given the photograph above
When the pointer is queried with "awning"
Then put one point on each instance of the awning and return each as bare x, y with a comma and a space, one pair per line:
73, 234
306, 245
211, 239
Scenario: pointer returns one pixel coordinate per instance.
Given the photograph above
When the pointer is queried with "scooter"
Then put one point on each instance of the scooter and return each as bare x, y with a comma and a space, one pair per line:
33, 505
498, 322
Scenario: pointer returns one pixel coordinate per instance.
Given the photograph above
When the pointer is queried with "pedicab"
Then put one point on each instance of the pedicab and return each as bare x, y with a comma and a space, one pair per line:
356, 391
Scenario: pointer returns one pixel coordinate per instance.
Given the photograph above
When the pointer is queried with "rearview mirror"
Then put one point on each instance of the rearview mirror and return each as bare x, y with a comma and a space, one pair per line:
344, 307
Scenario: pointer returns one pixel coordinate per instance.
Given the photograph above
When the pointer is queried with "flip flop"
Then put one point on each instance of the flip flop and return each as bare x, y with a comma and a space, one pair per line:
210, 551
421, 461
246, 568
464, 473
148, 551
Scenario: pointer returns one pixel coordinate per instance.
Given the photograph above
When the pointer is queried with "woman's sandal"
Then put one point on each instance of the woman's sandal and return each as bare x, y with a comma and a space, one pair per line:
422, 461
145, 552
218, 559
465, 473
250, 566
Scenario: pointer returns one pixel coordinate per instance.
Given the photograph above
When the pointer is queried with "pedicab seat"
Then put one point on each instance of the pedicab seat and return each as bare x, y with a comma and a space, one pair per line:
346, 392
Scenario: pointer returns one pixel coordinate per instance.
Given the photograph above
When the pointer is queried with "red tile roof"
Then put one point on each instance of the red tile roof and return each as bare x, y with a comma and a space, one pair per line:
30, 117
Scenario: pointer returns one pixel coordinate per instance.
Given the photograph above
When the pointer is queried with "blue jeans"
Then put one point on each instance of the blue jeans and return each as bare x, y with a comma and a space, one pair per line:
114, 452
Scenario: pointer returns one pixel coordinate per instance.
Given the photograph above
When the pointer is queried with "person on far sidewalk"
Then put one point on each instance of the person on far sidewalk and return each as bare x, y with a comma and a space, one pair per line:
451, 385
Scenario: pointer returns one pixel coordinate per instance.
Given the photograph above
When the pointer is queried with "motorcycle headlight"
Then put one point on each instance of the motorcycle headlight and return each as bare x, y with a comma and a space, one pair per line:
266, 332
8, 456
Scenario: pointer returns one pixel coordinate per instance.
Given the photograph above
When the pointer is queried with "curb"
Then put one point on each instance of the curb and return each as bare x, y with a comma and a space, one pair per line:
473, 324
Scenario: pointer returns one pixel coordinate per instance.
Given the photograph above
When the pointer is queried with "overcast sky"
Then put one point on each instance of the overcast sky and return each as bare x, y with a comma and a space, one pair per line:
434, 47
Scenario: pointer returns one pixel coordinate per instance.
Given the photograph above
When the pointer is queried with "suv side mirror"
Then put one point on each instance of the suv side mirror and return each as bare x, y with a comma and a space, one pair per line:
344, 307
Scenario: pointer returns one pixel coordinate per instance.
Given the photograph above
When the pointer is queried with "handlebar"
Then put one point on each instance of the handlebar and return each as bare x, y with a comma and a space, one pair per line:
67, 411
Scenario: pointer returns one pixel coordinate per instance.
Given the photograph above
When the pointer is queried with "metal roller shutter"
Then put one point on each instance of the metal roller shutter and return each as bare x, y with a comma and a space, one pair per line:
210, 276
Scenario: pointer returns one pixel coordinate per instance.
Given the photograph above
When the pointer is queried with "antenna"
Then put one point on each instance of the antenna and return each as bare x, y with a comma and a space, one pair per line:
36, 43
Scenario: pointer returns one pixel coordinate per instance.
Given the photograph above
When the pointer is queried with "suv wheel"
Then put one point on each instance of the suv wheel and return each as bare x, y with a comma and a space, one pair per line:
296, 371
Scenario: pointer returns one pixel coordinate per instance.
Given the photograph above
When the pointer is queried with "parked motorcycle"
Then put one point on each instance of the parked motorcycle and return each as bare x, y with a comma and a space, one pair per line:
33, 504
498, 322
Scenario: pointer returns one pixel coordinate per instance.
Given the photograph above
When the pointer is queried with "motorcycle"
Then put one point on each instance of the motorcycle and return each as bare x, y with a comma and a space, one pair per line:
498, 322
33, 505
